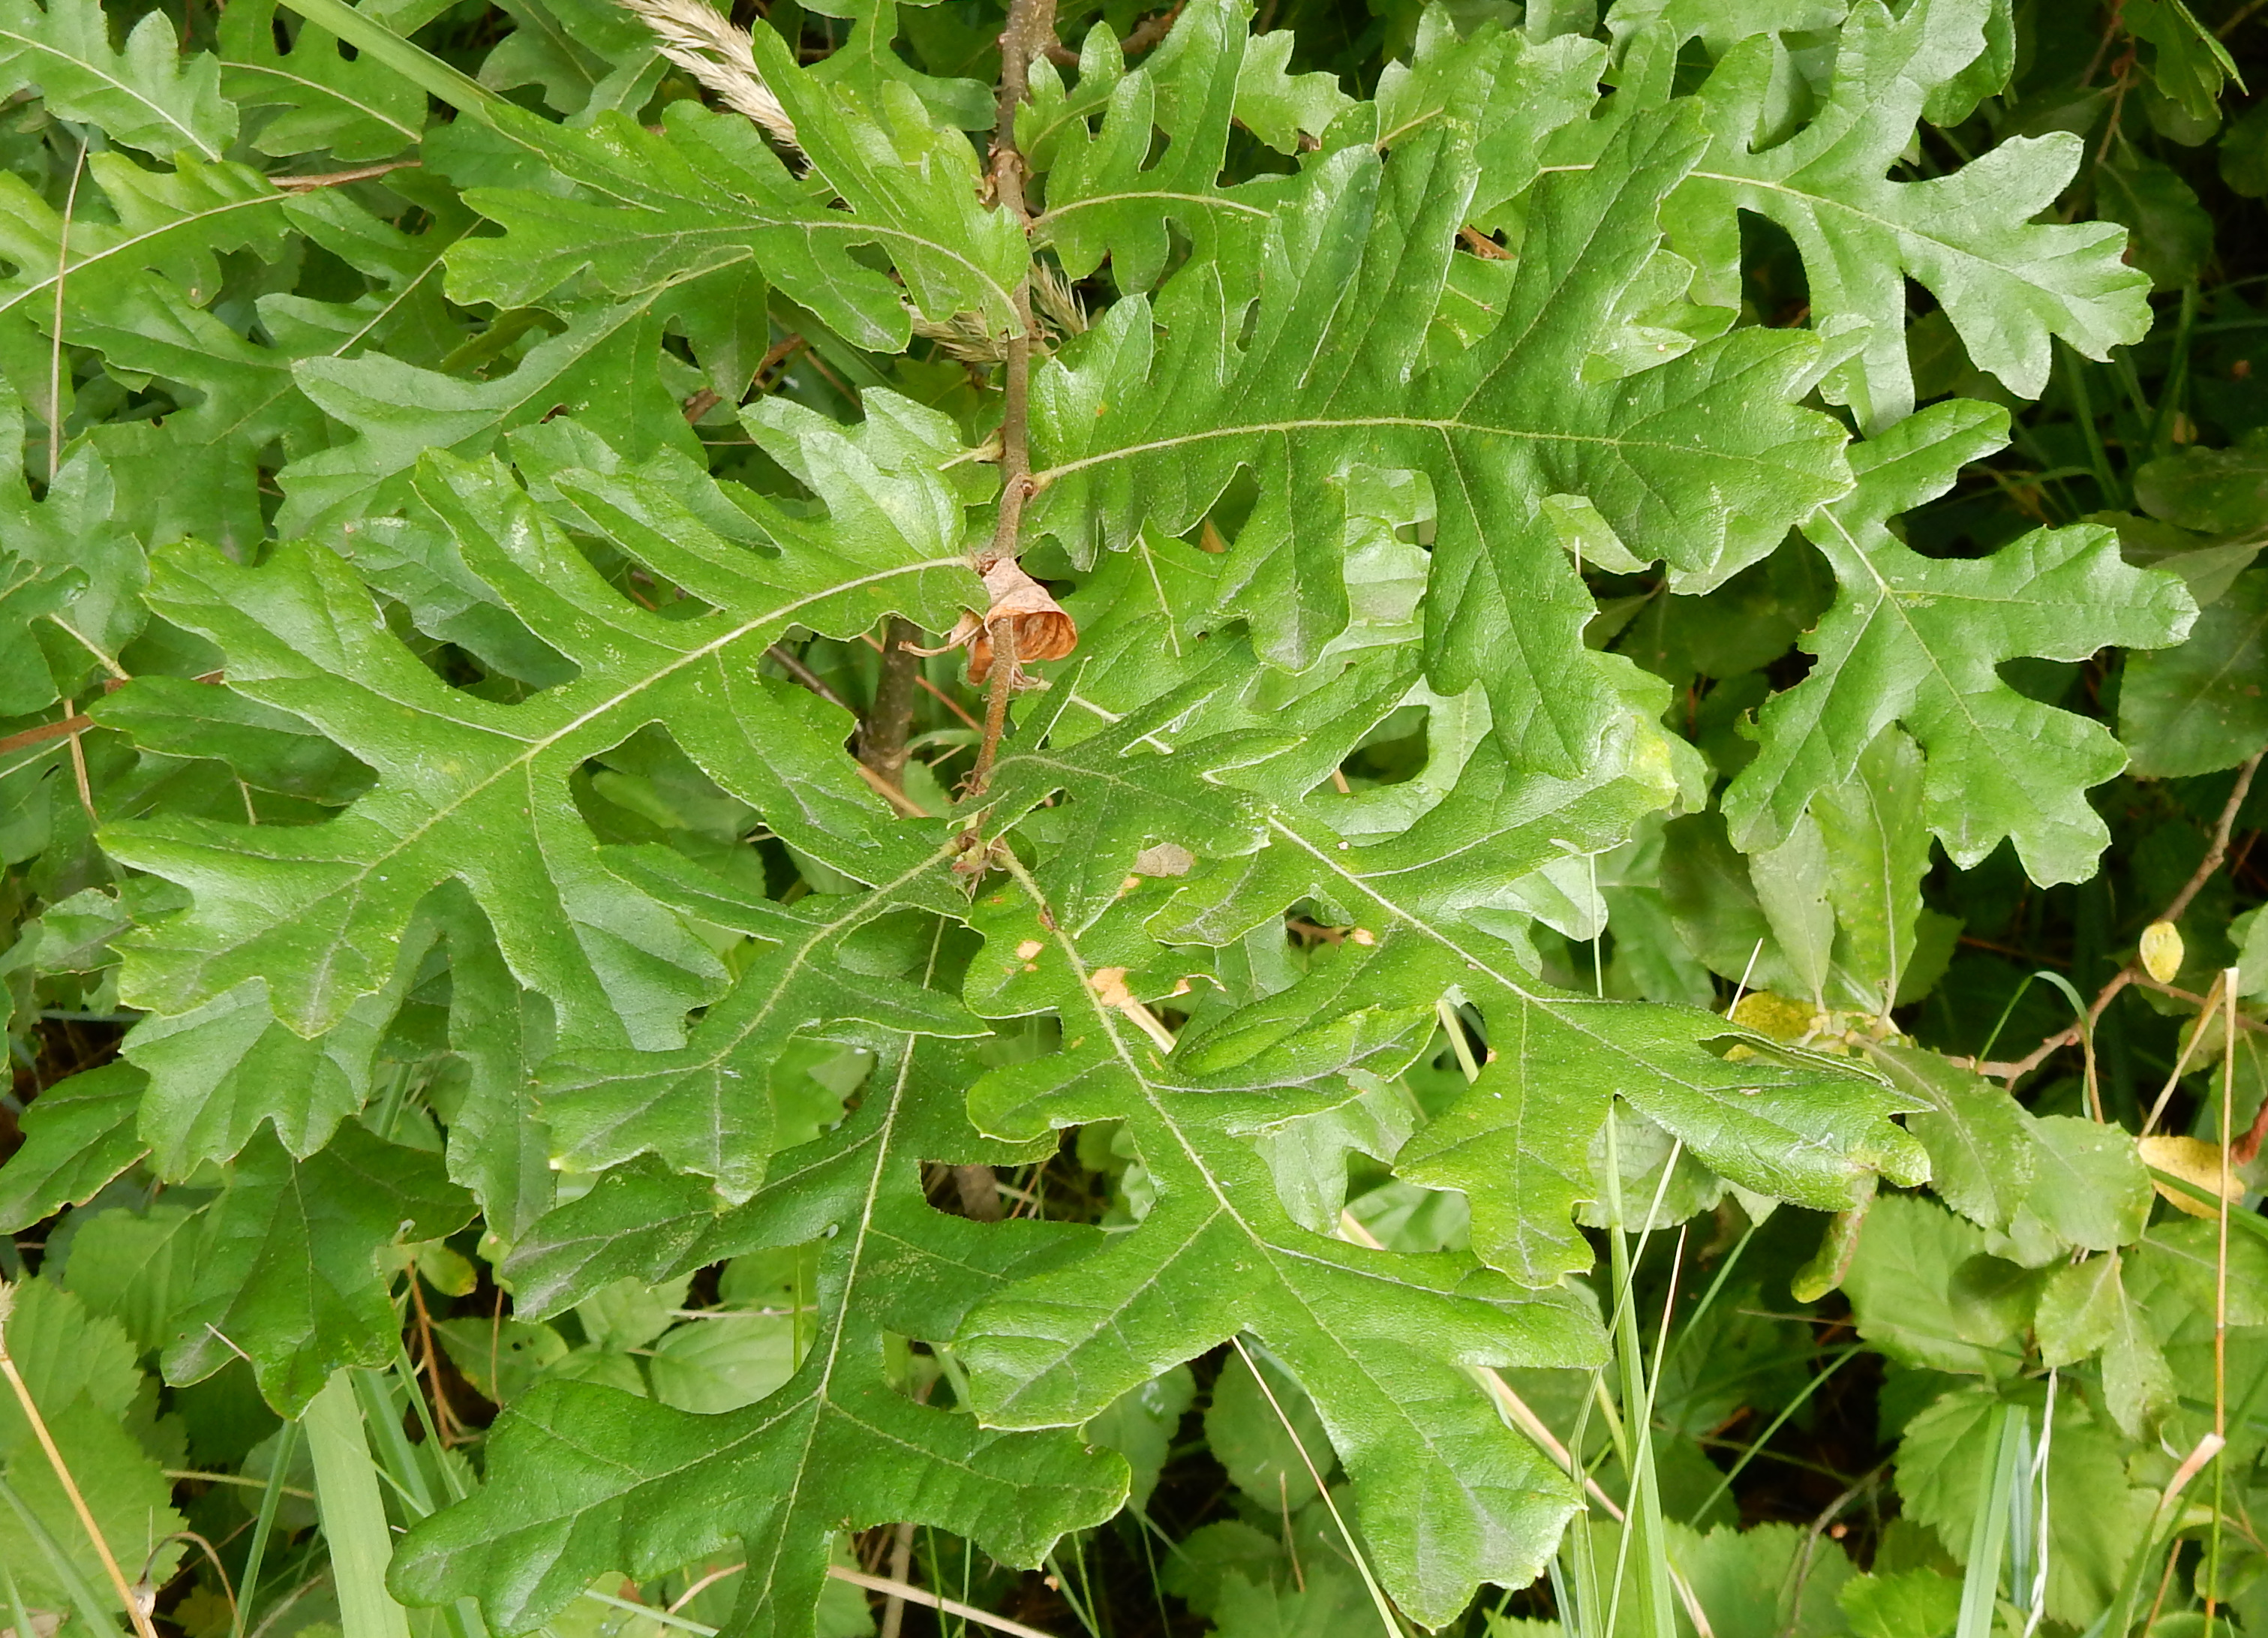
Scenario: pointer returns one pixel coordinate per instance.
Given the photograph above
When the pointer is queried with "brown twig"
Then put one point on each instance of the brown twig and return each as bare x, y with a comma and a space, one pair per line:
339, 178
2222, 828
2241, 856
805, 675
2125, 72
1015, 437
1145, 34
928, 687
2102, 47
2247, 1148
444, 1415
995, 703
978, 1185
77, 723
1031, 29
778, 353
2238, 20
1150, 30
883, 732
2132, 972
1482, 245
2010, 949
708, 398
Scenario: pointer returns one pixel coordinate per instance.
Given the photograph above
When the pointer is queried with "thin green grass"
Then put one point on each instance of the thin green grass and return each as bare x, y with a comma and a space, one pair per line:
353, 1512
1988, 1531
263, 1527
88, 1604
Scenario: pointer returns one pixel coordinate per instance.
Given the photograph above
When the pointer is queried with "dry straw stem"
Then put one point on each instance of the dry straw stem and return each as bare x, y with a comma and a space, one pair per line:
901, 1561
946, 1607
715, 52
135, 1611
2230, 979
900, 1589
1378, 1597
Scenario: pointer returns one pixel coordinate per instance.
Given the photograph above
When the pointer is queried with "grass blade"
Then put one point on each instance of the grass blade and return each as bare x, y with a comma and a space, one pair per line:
16, 1612
1988, 1532
413, 62
353, 1513
2251, 1222
74, 1584
263, 1527
1643, 1526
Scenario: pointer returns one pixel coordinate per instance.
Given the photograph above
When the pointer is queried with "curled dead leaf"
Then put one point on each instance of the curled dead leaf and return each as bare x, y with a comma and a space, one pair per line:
1041, 630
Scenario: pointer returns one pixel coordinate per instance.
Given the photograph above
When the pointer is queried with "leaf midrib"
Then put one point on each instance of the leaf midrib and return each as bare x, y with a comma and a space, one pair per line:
1446, 426
165, 116
126, 246
536, 746
1271, 1250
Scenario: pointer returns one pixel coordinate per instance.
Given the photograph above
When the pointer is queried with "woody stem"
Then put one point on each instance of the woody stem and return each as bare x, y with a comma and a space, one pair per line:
1003, 634
1031, 30
888, 722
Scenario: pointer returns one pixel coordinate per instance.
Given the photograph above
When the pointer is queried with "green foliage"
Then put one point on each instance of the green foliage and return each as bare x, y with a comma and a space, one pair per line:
1593, 599
2000, 767
650, 1487
96, 1405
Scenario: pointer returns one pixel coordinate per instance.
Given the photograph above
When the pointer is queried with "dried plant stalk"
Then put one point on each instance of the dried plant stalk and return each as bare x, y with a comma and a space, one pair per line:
1055, 304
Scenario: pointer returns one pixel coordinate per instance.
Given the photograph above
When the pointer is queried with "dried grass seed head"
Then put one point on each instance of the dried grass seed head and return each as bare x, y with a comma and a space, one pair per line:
720, 56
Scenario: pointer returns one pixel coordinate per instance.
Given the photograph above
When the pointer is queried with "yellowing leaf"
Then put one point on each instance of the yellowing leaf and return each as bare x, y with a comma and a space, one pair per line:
2193, 1160
2162, 950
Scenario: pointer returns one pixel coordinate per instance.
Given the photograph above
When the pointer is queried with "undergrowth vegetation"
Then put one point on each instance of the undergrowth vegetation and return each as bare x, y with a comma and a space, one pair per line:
878, 818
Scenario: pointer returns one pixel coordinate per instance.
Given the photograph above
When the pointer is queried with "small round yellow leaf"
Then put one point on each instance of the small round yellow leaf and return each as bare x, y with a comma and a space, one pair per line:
2162, 950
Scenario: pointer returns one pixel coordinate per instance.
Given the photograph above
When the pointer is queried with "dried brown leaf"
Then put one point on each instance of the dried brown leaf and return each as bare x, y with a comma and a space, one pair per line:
1043, 630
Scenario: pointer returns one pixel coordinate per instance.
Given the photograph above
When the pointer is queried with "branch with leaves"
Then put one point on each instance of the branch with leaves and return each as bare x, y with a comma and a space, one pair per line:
1505, 732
